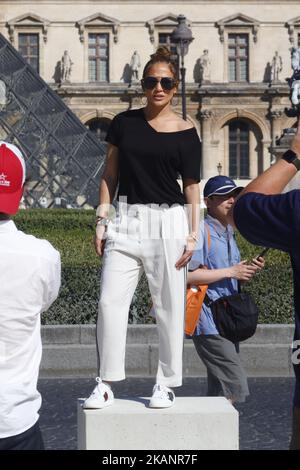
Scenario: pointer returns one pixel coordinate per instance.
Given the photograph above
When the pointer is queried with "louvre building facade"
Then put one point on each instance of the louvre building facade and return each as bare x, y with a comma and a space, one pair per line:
237, 65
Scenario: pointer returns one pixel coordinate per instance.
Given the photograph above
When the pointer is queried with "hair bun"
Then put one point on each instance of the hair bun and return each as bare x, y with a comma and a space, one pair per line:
162, 52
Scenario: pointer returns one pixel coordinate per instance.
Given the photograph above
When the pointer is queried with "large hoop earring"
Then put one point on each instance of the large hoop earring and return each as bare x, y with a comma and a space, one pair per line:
144, 101
172, 102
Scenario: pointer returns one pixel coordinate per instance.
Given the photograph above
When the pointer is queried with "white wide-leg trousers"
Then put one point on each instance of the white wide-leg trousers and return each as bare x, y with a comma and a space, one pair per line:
150, 239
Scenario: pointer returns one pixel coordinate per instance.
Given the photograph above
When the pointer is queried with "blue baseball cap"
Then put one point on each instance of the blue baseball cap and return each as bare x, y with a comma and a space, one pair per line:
220, 185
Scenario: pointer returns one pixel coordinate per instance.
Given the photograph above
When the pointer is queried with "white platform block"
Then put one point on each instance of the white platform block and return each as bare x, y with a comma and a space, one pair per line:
193, 423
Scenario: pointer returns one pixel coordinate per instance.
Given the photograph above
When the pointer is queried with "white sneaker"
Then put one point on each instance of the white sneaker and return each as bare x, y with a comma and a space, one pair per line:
101, 396
162, 397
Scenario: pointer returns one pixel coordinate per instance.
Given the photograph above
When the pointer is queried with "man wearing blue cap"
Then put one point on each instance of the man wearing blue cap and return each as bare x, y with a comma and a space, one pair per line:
225, 373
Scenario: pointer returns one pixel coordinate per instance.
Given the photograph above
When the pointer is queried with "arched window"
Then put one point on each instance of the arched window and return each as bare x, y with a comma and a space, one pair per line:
239, 164
99, 127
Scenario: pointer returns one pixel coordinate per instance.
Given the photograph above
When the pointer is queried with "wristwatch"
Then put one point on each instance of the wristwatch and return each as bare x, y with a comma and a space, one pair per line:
102, 221
291, 157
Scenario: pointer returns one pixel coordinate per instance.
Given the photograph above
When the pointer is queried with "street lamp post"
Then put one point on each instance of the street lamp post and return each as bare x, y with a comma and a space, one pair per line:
182, 37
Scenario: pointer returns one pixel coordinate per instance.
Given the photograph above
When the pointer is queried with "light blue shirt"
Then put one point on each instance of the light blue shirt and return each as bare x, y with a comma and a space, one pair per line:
223, 253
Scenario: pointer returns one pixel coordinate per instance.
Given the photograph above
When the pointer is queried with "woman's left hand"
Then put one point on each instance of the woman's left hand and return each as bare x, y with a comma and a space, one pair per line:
187, 254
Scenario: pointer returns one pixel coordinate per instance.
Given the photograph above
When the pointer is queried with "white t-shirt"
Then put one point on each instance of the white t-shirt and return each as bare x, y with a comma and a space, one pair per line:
29, 283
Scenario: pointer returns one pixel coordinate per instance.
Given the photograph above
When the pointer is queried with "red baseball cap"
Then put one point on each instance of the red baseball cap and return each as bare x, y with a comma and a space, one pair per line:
12, 178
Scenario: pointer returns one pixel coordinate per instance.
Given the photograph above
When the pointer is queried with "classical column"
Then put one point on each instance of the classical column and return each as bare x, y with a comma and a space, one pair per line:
275, 115
266, 156
208, 167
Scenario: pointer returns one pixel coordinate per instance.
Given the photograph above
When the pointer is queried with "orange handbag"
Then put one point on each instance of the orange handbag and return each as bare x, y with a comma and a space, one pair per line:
194, 300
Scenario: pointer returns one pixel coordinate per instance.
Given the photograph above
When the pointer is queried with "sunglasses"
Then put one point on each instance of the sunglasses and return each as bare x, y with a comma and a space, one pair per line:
167, 83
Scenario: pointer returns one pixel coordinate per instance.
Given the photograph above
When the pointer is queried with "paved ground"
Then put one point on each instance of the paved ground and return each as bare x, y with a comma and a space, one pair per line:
265, 418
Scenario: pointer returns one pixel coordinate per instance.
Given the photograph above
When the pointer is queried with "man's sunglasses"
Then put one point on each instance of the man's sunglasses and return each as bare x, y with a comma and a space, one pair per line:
167, 83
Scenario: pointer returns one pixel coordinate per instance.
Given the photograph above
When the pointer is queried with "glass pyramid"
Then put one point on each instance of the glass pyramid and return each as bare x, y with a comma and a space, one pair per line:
64, 159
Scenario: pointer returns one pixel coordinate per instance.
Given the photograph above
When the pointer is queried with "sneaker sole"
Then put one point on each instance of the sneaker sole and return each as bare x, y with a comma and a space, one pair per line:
159, 404
95, 406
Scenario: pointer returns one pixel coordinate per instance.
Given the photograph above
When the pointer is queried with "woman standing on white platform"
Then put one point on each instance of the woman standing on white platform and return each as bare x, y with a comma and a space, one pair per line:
148, 148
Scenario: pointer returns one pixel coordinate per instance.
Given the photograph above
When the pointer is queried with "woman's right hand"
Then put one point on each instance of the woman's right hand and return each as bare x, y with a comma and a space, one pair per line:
242, 271
100, 239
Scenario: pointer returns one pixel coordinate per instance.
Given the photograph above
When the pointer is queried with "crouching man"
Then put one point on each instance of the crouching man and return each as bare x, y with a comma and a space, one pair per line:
29, 283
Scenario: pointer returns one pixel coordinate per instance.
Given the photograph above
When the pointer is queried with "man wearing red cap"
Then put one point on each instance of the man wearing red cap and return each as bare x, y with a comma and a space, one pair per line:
29, 283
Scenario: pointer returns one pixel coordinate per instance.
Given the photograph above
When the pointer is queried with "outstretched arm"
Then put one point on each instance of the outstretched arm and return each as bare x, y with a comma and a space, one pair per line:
275, 178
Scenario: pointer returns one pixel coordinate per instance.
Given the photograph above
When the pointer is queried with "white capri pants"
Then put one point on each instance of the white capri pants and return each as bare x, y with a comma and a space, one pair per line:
149, 238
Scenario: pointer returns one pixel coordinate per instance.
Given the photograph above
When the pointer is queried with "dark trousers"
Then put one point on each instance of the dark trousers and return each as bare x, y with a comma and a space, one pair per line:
27, 440
295, 440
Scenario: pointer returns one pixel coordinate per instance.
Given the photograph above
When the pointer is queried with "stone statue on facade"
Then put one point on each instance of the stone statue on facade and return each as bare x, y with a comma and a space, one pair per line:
135, 63
295, 58
283, 143
66, 67
204, 64
294, 81
276, 67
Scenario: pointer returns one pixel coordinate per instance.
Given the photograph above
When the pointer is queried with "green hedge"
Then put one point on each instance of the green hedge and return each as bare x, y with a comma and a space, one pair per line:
71, 232
272, 288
